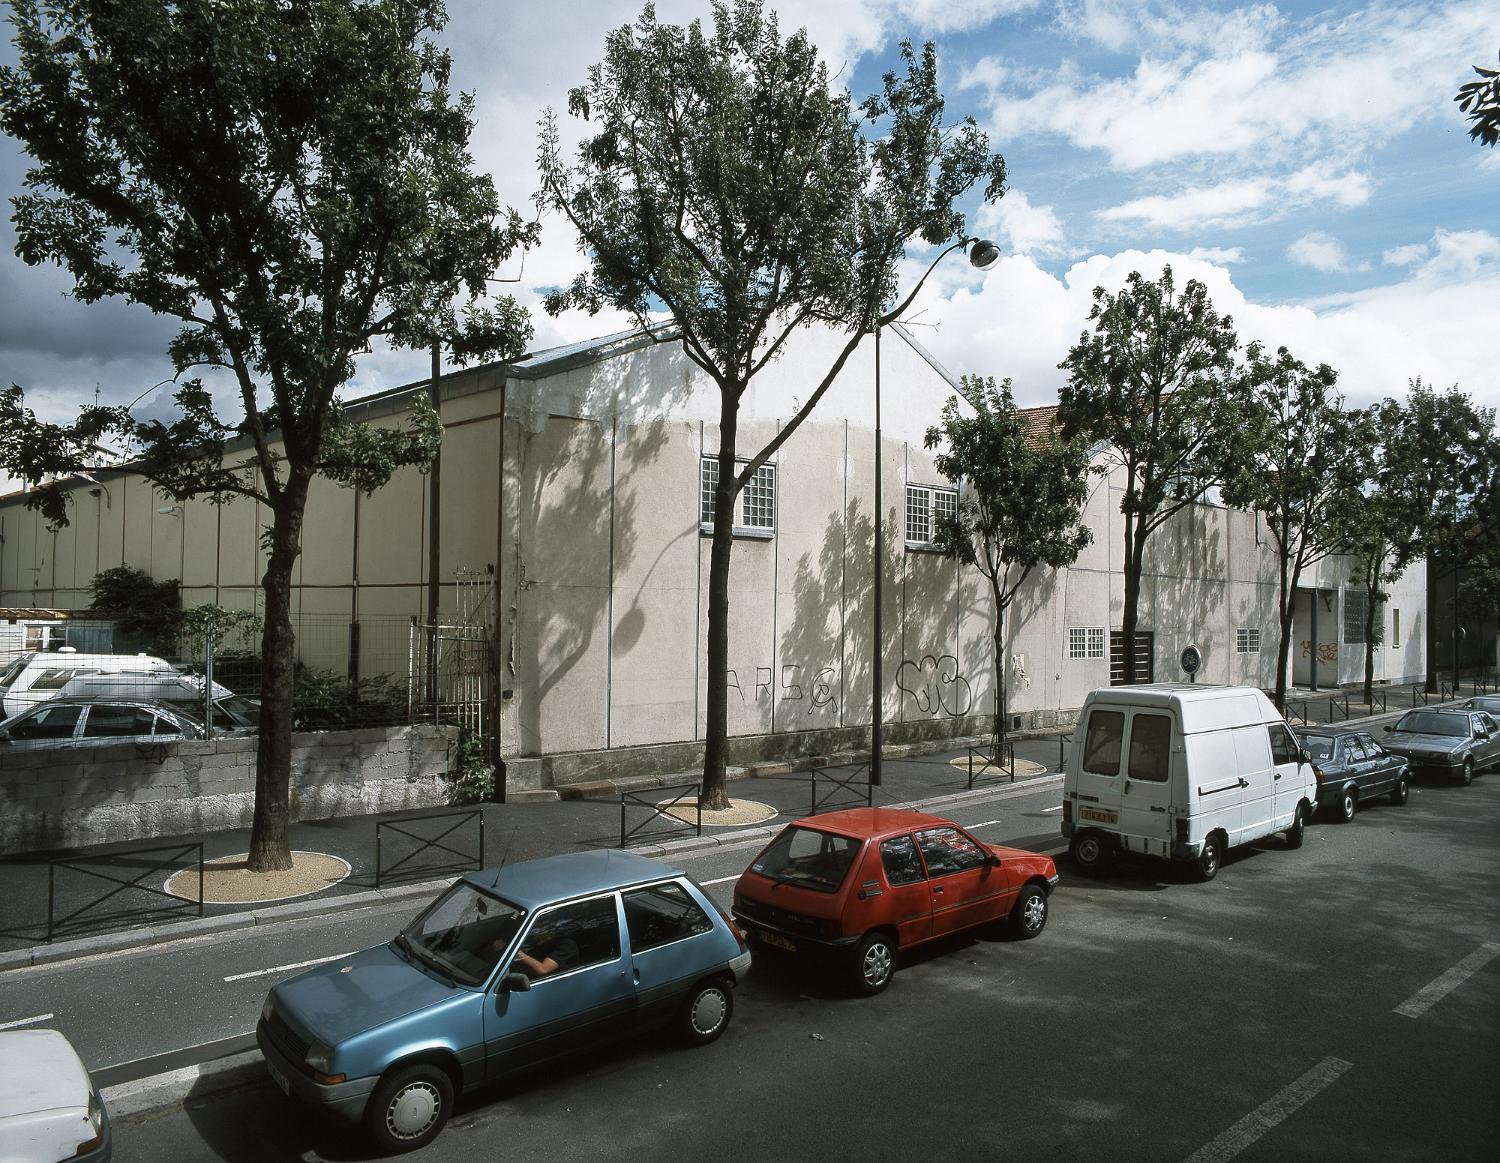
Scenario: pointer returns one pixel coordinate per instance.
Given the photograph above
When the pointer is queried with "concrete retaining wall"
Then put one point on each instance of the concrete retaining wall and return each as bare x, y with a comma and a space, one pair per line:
99, 795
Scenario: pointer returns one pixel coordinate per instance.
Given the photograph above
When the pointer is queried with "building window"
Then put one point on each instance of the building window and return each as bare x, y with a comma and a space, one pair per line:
1247, 640
1356, 604
755, 507
1395, 629
1085, 641
925, 506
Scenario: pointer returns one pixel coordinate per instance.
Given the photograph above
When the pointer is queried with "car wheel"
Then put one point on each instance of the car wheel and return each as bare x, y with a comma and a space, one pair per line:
1347, 806
706, 1012
874, 962
1090, 852
1466, 773
1209, 857
1029, 917
409, 1108
1401, 791
1298, 831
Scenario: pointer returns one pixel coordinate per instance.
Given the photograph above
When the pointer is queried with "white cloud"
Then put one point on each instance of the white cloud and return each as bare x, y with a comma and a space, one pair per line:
1320, 251
1406, 256
1241, 201
1218, 255
1021, 228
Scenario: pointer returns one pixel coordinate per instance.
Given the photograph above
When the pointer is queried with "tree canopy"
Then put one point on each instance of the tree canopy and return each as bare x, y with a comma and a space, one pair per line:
726, 183
1156, 381
1480, 102
1021, 500
291, 182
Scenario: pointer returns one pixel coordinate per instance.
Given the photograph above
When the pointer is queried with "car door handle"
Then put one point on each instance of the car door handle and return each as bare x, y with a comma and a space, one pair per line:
1278, 775
937, 890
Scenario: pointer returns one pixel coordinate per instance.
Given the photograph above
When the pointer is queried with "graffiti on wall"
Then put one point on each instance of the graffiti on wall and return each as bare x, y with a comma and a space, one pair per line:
1328, 652
936, 686
817, 692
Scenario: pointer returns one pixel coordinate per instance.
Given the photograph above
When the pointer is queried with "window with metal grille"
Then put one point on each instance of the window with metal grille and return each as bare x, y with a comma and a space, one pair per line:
755, 507
1395, 629
1356, 605
1085, 641
1247, 640
926, 505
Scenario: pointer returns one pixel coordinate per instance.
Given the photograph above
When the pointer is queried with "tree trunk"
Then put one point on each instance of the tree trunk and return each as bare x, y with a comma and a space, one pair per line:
1135, 544
1000, 691
270, 840
1371, 592
1285, 597
715, 794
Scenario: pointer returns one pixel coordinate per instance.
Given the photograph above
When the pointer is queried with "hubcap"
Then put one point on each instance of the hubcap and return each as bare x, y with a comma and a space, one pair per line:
1034, 913
708, 1011
413, 1110
1088, 851
1211, 857
877, 965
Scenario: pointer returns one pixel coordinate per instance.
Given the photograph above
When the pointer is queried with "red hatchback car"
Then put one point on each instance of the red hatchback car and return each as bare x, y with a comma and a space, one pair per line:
863, 883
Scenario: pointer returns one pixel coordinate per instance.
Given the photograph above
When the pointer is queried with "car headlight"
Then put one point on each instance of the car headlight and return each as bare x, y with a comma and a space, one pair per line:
318, 1057
268, 1009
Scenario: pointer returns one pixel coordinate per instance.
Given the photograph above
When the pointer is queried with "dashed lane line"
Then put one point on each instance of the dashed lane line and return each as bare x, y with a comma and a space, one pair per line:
1444, 984
284, 968
26, 1021
1270, 1113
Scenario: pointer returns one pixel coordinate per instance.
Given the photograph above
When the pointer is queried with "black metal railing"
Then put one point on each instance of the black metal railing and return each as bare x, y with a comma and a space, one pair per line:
1339, 703
856, 792
1379, 698
1002, 761
91, 866
1062, 749
464, 861
663, 810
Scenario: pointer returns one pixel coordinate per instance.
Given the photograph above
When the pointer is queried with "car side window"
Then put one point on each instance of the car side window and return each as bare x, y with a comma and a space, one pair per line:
105, 721
576, 936
902, 864
947, 850
1101, 745
1354, 750
1150, 753
662, 914
1373, 749
49, 723
1489, 722
55, 680
1284, 747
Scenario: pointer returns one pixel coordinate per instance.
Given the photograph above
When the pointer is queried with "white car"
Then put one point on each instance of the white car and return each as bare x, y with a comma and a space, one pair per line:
50, 1110
35, 677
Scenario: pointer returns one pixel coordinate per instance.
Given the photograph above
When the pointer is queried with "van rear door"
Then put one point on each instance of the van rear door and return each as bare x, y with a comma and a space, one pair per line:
1146, 792
1099, 769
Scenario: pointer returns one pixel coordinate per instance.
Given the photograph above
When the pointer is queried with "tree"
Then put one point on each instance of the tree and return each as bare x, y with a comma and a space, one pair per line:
290, 181
147, 610
1303, 458
1480, 101
1157, 383
1021, 504
728, 183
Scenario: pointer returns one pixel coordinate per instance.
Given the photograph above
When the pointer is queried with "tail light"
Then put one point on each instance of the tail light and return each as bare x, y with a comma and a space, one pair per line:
1067, 811
1317, 773
733, 928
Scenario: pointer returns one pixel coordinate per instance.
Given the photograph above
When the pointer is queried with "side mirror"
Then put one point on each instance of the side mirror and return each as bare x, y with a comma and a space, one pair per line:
1305, 755
993, 861
516, 982
1387, 728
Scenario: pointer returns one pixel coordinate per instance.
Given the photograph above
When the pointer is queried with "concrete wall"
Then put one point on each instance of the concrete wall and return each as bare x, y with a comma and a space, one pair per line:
99, 795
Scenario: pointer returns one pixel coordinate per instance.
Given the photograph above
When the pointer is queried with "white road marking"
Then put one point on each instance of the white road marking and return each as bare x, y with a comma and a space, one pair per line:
721, 880
26, 1021
1053, 808
1444, 984
1271, 1112
983, 824
284, 968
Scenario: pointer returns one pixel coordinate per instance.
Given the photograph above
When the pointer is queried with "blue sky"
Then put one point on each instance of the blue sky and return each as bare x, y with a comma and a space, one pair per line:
1307, 162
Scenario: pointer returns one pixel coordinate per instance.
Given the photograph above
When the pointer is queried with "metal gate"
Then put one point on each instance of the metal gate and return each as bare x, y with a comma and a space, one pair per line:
452, 664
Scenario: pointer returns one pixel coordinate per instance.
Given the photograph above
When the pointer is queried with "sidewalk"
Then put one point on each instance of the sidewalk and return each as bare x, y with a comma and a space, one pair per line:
94, 910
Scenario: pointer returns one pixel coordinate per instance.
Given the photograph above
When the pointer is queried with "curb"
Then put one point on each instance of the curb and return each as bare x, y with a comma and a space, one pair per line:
174, 1086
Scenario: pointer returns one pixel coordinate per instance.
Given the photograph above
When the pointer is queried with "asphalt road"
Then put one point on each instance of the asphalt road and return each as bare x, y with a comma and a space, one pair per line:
1341, 1000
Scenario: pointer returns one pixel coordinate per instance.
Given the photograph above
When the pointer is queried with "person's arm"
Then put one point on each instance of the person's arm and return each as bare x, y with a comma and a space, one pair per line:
532, 966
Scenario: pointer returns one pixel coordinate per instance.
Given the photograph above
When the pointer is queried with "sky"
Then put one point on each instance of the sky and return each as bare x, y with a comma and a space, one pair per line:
1306, 162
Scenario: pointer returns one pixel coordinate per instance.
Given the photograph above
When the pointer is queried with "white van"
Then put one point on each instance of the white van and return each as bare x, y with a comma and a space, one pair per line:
1184, 772
35, 677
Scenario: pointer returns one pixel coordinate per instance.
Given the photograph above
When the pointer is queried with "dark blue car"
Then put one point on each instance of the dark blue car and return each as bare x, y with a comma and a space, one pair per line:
510, 968
1352, 770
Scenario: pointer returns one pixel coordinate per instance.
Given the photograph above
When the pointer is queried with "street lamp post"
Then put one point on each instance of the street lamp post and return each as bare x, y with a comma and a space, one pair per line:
983, 254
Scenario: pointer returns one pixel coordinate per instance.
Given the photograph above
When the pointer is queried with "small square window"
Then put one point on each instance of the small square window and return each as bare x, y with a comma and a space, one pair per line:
926, 505
1247, 640
1085, 641
1356, 606
755, 507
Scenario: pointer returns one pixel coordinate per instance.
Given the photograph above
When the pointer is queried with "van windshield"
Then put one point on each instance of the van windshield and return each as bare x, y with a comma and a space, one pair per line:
8, 675
808, 858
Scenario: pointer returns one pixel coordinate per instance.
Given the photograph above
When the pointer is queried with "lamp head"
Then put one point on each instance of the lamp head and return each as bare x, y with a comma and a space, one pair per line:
983, 254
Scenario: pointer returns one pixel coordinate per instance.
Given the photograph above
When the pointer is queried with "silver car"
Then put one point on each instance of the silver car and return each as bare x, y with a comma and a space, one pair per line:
1452, 743
97, 722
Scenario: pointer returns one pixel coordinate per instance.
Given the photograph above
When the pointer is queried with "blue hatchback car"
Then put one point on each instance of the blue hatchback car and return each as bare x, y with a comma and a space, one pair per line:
509, 968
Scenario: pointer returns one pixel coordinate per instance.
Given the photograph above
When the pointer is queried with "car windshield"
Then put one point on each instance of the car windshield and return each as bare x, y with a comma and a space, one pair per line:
463, 934
808, 858
1434, 723
1320, 747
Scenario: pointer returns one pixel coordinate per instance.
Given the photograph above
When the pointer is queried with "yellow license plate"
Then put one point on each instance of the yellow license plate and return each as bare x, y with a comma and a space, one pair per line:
1098, 815
777, 941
